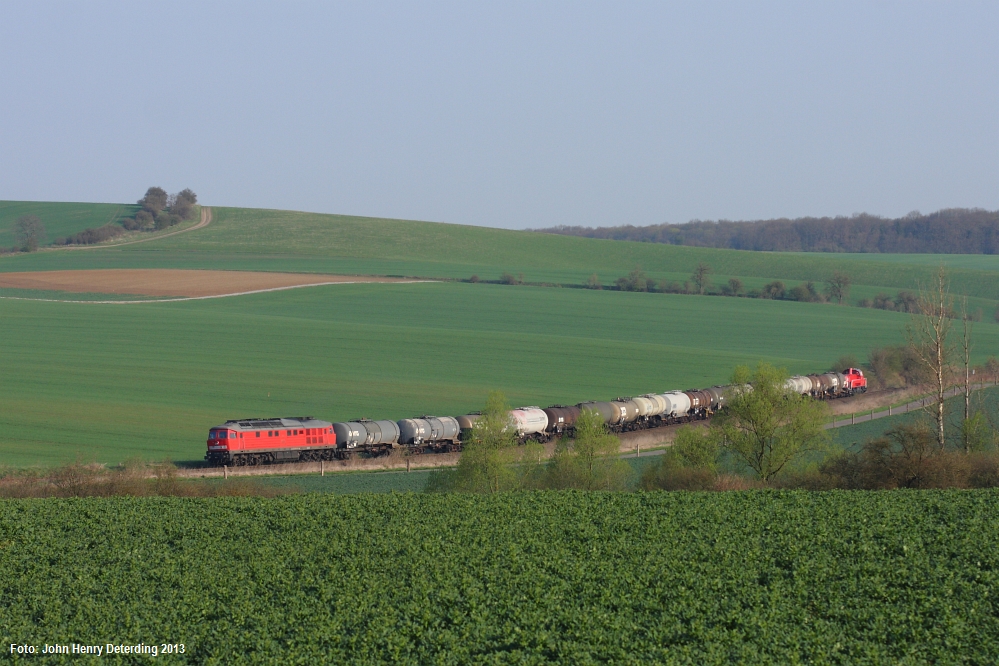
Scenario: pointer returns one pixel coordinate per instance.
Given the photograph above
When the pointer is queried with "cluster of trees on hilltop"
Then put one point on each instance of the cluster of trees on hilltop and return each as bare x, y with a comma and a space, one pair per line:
950, 231
160, 210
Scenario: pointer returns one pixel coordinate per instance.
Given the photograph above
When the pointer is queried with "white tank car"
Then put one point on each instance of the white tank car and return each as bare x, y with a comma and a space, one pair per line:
659, 404
679, 403
529, 420
799, 384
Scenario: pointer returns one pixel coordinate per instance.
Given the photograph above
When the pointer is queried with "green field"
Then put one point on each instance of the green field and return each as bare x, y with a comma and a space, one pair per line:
307, 242
980, 262
60, 219
687, 578
109, 382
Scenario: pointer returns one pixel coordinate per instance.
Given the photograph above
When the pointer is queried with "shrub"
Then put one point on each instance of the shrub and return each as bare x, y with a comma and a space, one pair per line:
883, 302
983, 470
843, 362
906, 457
635, 281
732, 288
165, 219
98, 235
799, 293
670, 287
906, 301
774, 290
677, 478
894, 367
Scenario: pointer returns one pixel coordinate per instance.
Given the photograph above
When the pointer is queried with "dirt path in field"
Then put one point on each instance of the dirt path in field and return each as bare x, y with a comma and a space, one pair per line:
206, 219
174, 285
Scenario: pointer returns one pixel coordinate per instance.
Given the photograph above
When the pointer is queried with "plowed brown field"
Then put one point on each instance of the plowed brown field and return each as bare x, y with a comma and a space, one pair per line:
170, 282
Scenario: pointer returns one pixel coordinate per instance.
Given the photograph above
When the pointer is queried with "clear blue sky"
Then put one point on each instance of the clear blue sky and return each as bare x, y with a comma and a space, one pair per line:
507, 114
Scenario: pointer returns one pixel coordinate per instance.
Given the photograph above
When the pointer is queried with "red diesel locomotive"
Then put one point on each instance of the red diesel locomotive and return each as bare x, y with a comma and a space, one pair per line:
257, 441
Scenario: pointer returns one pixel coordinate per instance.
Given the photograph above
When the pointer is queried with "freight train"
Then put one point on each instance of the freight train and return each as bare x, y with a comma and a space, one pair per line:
256, 441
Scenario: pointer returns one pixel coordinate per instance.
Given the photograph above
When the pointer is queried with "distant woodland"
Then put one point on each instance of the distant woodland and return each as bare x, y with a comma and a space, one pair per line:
949, 231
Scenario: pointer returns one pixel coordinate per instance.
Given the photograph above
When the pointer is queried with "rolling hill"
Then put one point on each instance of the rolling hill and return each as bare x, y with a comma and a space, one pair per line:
253, 239
109, 382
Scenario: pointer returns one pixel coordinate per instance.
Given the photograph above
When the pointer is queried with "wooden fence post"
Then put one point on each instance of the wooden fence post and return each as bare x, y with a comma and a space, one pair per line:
225, 471
322, 468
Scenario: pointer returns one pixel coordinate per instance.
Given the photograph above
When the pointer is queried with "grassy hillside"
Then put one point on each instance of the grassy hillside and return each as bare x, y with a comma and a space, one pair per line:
307, 242
980, 262
107, 382
60, 219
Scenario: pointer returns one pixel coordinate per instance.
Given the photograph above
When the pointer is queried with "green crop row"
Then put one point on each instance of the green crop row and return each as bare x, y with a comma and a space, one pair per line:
756, 577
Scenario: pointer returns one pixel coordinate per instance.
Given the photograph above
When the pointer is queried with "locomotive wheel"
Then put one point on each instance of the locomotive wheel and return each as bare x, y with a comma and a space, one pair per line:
254, 460
239, 461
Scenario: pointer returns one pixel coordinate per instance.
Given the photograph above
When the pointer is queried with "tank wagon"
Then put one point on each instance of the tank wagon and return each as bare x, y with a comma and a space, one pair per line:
433, 434
257, 441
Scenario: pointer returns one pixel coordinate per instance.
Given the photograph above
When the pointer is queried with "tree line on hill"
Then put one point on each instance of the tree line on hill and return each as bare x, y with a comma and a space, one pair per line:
948, 231
836, 287
158, 211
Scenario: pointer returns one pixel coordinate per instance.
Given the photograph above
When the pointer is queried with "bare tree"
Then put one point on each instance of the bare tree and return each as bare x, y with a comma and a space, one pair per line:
29, 232
838, 286
700, 277
927, 333
968, 321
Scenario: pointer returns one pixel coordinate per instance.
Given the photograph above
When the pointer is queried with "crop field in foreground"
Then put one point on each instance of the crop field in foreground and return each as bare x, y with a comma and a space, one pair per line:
109, 382
556, 577
253, 239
